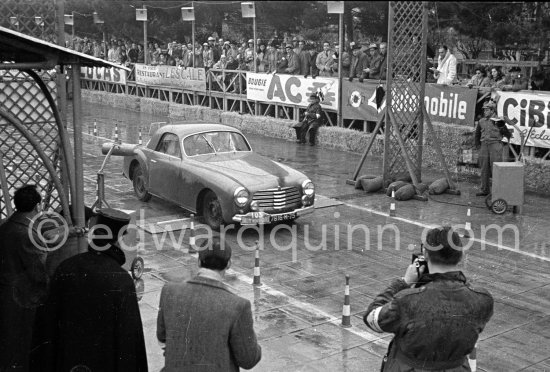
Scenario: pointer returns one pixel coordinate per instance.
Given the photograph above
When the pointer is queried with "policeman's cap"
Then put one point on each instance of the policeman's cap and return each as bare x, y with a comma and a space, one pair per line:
489, 105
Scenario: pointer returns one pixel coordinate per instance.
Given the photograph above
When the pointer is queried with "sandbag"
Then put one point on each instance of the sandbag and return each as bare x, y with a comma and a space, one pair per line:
405, 193
372, 185
422, 188
394, 186
438, 186
358, 184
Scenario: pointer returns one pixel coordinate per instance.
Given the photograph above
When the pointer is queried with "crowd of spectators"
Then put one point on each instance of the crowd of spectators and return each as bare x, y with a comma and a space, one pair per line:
296, 56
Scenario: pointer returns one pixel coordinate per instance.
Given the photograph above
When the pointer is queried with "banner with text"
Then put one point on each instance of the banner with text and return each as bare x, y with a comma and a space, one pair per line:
291, 89
530, 112
171, 76
444, 104
111, 74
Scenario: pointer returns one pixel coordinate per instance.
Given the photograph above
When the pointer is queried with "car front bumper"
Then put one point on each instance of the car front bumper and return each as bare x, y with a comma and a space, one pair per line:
254, 218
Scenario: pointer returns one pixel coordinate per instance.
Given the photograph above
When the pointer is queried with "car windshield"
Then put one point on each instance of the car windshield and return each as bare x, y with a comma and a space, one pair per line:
214, 142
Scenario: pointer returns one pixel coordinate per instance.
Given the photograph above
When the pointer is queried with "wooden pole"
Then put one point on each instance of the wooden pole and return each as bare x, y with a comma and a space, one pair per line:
78, 198
369, 145
437, 146
408, 161
145, 46
340, 77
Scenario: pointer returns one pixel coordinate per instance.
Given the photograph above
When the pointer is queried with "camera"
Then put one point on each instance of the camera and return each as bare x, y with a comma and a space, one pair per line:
419, 260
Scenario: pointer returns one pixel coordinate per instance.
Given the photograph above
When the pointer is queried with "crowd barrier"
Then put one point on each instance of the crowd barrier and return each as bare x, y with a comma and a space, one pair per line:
286, 97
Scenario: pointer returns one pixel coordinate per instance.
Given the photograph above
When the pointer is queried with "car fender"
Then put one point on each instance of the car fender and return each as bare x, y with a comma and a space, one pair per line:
141, 158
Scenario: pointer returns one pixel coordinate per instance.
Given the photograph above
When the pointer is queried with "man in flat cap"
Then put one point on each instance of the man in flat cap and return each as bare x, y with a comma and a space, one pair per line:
488, 139
359, 62
312, 121
202, 324
91, 321
375, 65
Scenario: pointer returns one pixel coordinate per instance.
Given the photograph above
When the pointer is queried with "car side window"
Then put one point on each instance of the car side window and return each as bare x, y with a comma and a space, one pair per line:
169, 145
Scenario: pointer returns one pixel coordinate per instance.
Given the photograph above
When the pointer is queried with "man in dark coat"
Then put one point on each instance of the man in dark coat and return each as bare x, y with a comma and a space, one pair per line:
435, 314
203, 325
91, 319
23, 279
359, 62
312, 121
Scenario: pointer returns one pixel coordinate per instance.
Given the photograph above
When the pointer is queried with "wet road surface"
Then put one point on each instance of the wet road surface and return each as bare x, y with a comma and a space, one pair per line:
297, 309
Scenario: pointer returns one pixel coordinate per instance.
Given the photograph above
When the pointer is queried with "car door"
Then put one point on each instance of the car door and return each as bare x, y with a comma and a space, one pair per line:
165, 168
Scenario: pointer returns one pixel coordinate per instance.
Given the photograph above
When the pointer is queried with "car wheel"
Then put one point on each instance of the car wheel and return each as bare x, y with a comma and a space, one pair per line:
139, 184
212, 211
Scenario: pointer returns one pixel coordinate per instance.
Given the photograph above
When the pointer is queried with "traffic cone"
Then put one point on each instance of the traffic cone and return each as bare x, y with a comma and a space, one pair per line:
467, 224
192, 245
140, 141
257, 266
472, 359
95, 128
116, 132
392, 204
346, 311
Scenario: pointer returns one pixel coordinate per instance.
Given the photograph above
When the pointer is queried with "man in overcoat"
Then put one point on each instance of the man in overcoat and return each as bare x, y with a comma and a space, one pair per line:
91, 320
203, 325
23, 279
312, 121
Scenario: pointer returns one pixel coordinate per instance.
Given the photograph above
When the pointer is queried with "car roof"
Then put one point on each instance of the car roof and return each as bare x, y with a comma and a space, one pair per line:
185, 129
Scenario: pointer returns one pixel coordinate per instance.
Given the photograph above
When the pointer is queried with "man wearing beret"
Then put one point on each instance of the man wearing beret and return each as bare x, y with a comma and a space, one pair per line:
202, 324
373, 71
488, 138
91, 320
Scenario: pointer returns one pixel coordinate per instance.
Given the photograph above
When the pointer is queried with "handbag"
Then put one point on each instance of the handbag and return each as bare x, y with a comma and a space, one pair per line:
299, 124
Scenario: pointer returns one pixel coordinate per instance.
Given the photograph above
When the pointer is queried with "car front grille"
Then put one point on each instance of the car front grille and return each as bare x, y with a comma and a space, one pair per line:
280, 200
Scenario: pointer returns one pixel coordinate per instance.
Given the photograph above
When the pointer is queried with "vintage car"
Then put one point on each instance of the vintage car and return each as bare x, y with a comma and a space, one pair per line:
211, 170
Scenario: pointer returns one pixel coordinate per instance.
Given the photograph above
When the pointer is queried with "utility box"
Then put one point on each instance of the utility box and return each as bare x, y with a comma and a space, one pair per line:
508, 183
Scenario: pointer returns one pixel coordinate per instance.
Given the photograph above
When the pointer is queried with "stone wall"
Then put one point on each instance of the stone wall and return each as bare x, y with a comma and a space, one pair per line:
537, 173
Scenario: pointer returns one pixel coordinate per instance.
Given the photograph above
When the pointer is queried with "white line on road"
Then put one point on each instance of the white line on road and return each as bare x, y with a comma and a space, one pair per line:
430, 226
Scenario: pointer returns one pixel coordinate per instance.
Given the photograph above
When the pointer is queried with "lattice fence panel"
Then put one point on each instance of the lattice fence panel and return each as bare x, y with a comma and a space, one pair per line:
406, 81
22, 97
25, 12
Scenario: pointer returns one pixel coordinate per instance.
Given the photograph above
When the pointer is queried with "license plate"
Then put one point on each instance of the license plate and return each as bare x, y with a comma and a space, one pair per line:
283, 217
255, 218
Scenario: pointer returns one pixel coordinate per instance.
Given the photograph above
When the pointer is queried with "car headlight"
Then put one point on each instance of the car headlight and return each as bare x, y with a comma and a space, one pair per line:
308, 188
241, 196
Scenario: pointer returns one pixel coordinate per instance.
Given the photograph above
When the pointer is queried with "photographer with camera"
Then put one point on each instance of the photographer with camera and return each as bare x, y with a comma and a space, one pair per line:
435, 314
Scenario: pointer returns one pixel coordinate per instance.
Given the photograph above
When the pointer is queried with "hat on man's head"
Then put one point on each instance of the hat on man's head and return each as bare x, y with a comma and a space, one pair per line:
251, 41
205, 44
288, 46
373, 46
514, 69
212, 249
490, 105
354, 46
314, 96
211, 39
108, 226
226, 42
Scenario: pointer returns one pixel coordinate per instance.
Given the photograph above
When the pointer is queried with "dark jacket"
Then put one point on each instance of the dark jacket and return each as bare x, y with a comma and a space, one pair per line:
293, 66
91, 318
375, 66
487, 132
23, 287
358, 64
435, 326
304, 59
206, 328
